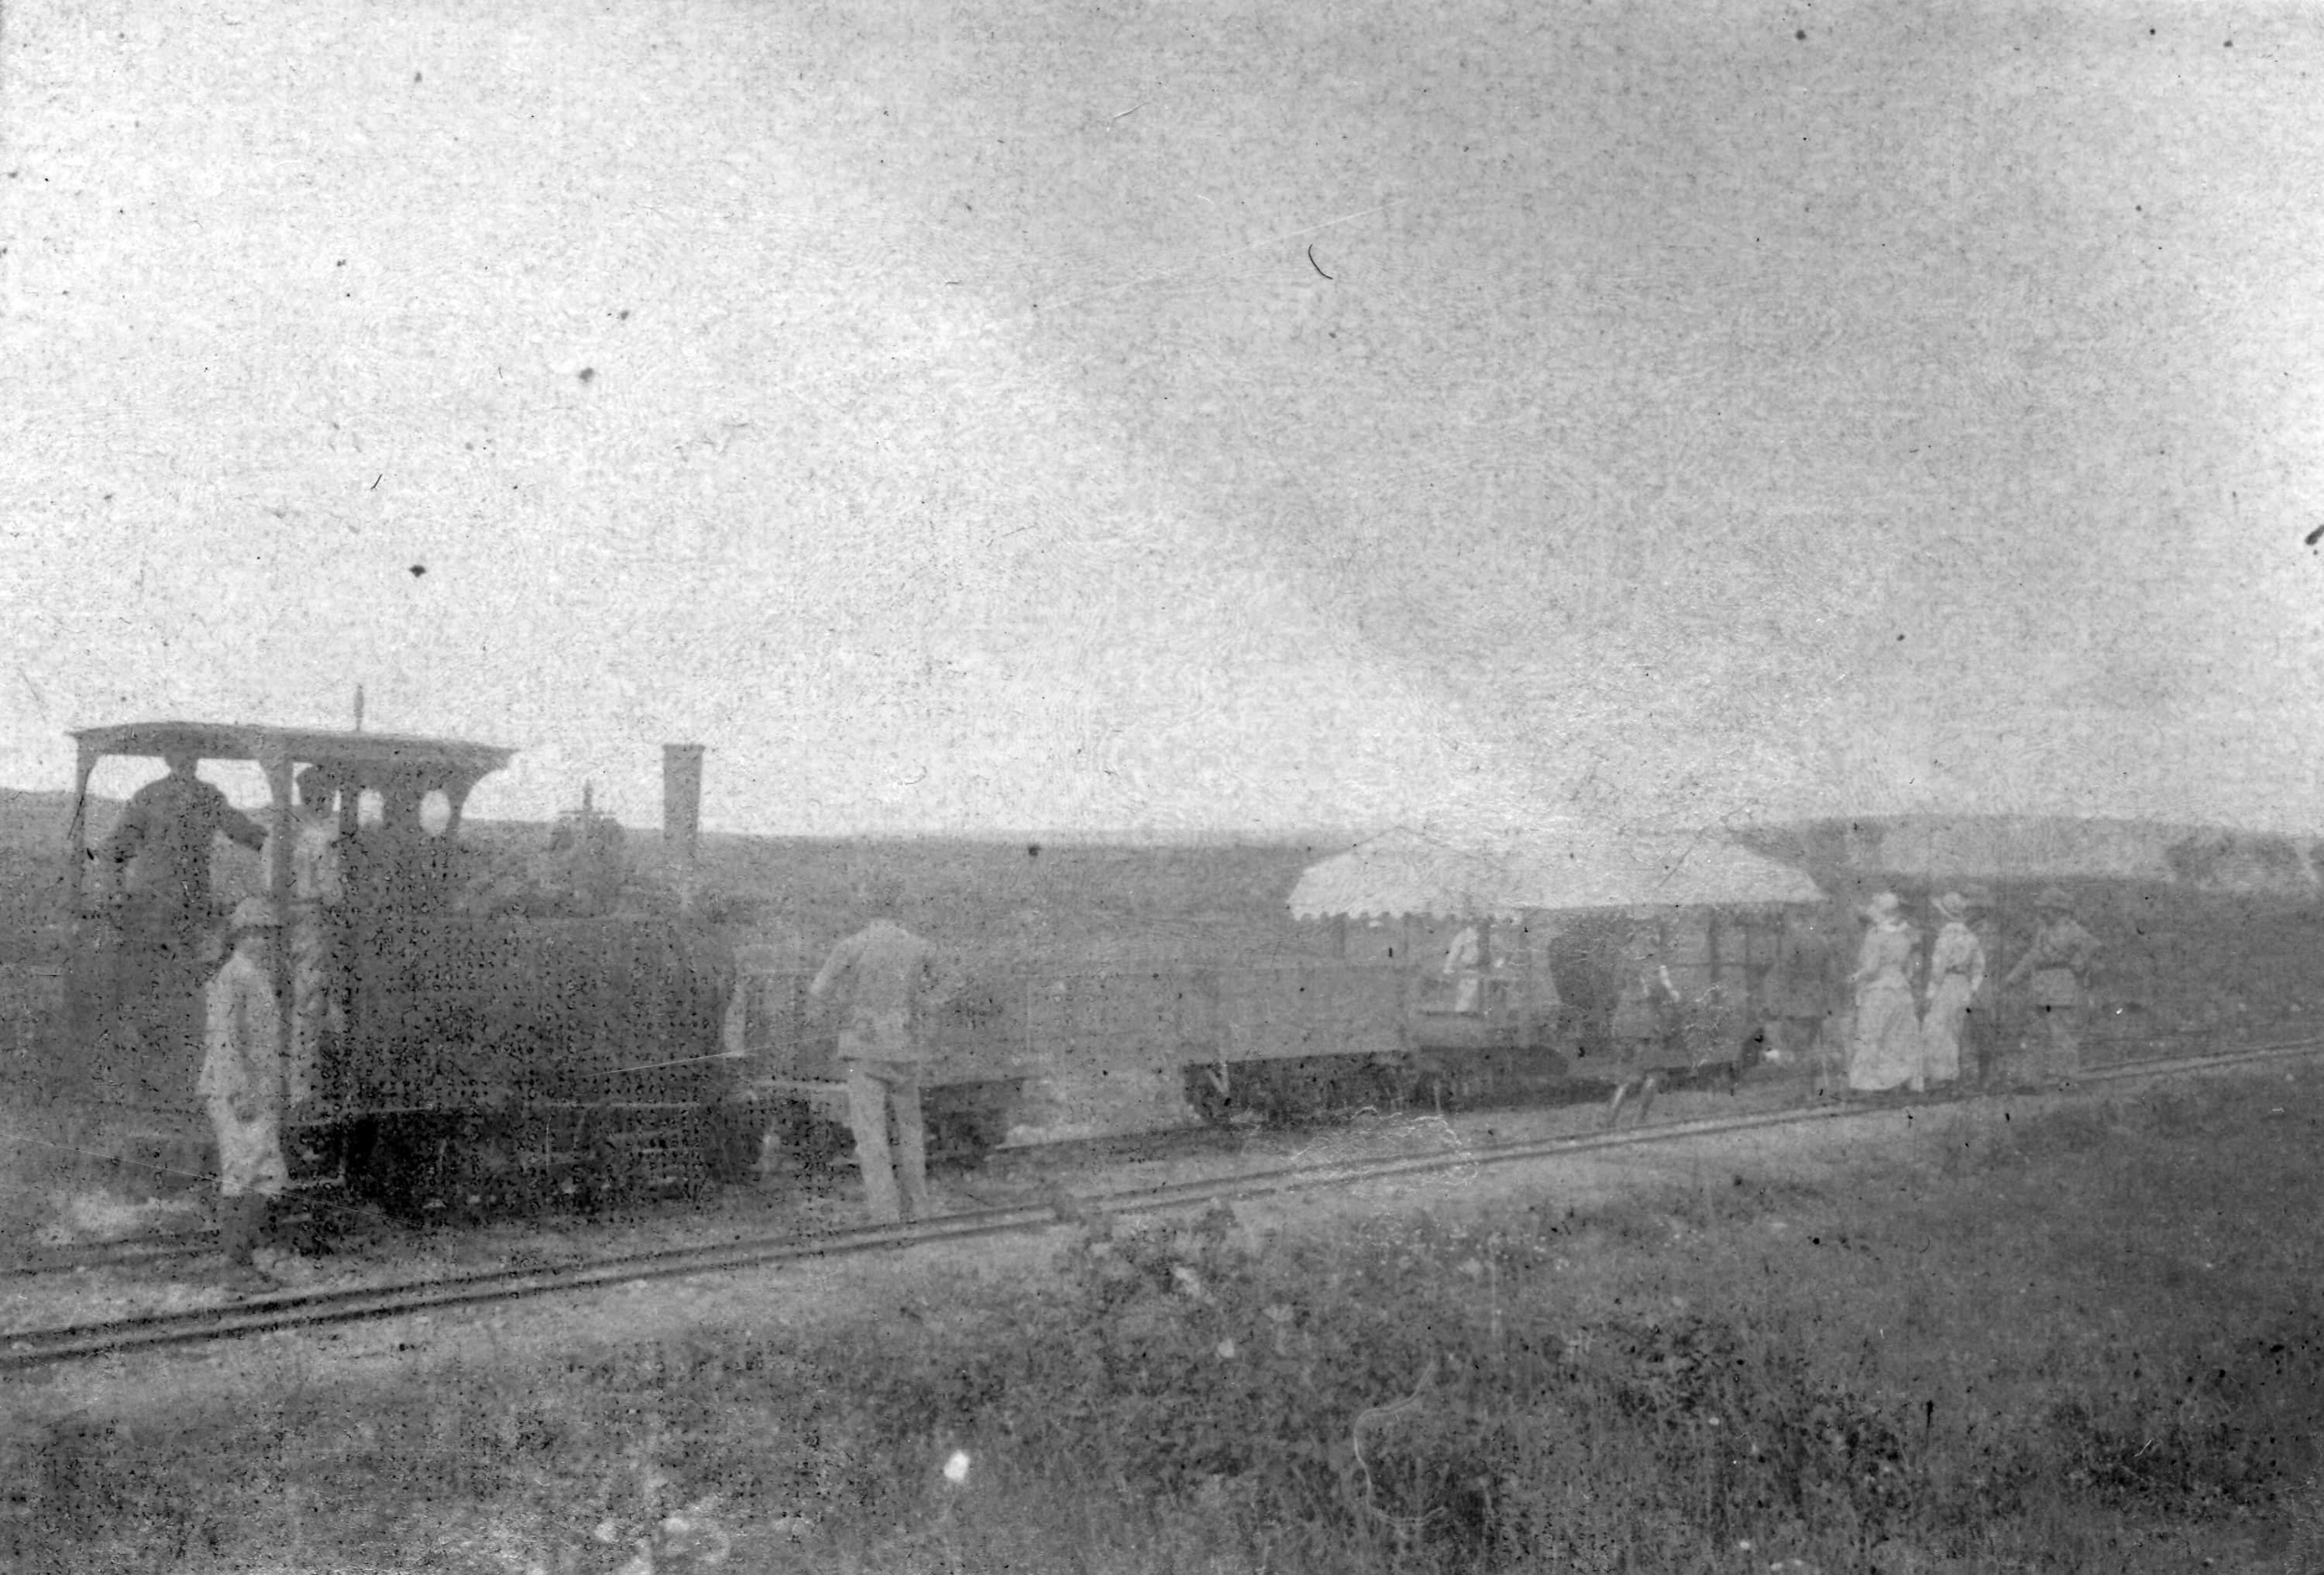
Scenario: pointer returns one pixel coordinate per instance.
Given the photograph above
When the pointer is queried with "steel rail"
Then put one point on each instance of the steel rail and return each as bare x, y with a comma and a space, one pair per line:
129, 1252
20, 1350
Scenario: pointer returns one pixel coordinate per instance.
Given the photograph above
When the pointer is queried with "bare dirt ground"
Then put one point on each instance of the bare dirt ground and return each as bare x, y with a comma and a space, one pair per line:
371, 1251
812, 1296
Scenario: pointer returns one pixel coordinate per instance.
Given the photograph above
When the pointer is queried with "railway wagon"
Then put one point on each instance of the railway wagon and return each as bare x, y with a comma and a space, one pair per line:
475, 1054
1074, 1051
1515, 949
1071, 1051
1360, 1009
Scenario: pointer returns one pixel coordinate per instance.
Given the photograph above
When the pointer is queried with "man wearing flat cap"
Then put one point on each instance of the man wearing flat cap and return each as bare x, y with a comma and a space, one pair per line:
2055, 964
242, 1086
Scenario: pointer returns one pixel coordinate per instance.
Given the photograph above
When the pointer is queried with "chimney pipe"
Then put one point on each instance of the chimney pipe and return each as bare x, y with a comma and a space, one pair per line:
681, 802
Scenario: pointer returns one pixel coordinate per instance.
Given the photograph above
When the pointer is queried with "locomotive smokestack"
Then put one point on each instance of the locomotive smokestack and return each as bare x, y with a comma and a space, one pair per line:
681, 803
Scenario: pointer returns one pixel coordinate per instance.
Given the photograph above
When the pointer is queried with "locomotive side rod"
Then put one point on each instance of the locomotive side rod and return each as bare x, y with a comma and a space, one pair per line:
26, 1348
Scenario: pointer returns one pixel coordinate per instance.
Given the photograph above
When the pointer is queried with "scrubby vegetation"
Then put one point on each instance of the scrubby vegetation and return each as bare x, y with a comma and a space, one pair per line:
2088, 1341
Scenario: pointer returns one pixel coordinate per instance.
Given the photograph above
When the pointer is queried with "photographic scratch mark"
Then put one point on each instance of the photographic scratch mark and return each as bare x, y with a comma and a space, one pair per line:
1134, 109
375, 481
1203, 261
1318, 267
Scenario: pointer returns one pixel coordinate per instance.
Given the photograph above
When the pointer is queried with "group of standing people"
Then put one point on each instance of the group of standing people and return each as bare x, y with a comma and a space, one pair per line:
1900, 1041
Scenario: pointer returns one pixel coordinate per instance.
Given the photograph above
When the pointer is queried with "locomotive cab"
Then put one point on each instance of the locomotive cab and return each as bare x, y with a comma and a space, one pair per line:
462, 1054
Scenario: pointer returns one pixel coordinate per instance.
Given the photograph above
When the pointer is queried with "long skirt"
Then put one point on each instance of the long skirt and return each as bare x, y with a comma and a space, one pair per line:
1940, 1030
1887, 1050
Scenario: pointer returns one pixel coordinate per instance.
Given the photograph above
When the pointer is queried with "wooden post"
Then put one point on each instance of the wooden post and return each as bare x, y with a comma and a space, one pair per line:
279, 828
87, 998
77, 831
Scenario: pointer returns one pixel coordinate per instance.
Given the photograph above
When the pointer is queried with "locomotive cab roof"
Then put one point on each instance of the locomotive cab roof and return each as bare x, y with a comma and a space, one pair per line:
402, 770
364, 757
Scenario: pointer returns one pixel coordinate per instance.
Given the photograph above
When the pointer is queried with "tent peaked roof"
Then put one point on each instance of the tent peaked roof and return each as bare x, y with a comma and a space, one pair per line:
1395, 873
1404, 874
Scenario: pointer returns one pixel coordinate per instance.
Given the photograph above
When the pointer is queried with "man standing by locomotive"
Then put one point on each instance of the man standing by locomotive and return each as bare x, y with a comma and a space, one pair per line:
241, 1086
884, 976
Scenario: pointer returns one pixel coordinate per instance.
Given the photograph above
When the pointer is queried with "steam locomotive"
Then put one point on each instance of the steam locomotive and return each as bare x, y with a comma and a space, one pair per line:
492, 1040
516, 1025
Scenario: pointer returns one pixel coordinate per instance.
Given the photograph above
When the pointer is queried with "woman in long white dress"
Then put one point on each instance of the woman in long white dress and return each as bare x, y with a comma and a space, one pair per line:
1886, 1053
1956, 974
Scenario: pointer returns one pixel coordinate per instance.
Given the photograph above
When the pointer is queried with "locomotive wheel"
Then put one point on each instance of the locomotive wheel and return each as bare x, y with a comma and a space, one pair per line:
731, 1135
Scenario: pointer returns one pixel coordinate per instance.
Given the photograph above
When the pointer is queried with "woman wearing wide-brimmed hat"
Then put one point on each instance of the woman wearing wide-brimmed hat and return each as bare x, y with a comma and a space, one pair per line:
1956, 974
2055, 964
1886, 1051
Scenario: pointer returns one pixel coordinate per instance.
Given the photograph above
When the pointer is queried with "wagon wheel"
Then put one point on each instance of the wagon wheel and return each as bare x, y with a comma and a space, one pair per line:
479, 1174
1209, 1093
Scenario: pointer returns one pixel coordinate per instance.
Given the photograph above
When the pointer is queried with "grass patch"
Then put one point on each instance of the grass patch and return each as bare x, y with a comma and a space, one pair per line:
2055, 1343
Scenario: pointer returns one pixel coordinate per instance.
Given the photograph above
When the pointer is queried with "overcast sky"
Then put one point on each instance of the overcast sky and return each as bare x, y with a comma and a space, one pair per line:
990, 416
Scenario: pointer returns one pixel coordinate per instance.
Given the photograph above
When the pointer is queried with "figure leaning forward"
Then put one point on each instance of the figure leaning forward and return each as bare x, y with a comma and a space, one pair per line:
242, 1086
882, 979
2056, 965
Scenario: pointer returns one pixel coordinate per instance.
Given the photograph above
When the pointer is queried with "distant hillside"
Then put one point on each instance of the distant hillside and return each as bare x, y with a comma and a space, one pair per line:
1114, 905
1079, 903
32, 864
1931, 849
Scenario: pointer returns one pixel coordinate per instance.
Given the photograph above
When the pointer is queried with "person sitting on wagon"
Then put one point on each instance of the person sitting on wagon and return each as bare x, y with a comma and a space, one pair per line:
884, 976
1464, 964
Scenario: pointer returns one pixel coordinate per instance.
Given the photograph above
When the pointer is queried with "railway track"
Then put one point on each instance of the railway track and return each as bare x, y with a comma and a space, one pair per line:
24, 1349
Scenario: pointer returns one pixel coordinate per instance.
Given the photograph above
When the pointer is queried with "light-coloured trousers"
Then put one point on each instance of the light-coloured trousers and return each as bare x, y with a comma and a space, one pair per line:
874, 1089
250, 1153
